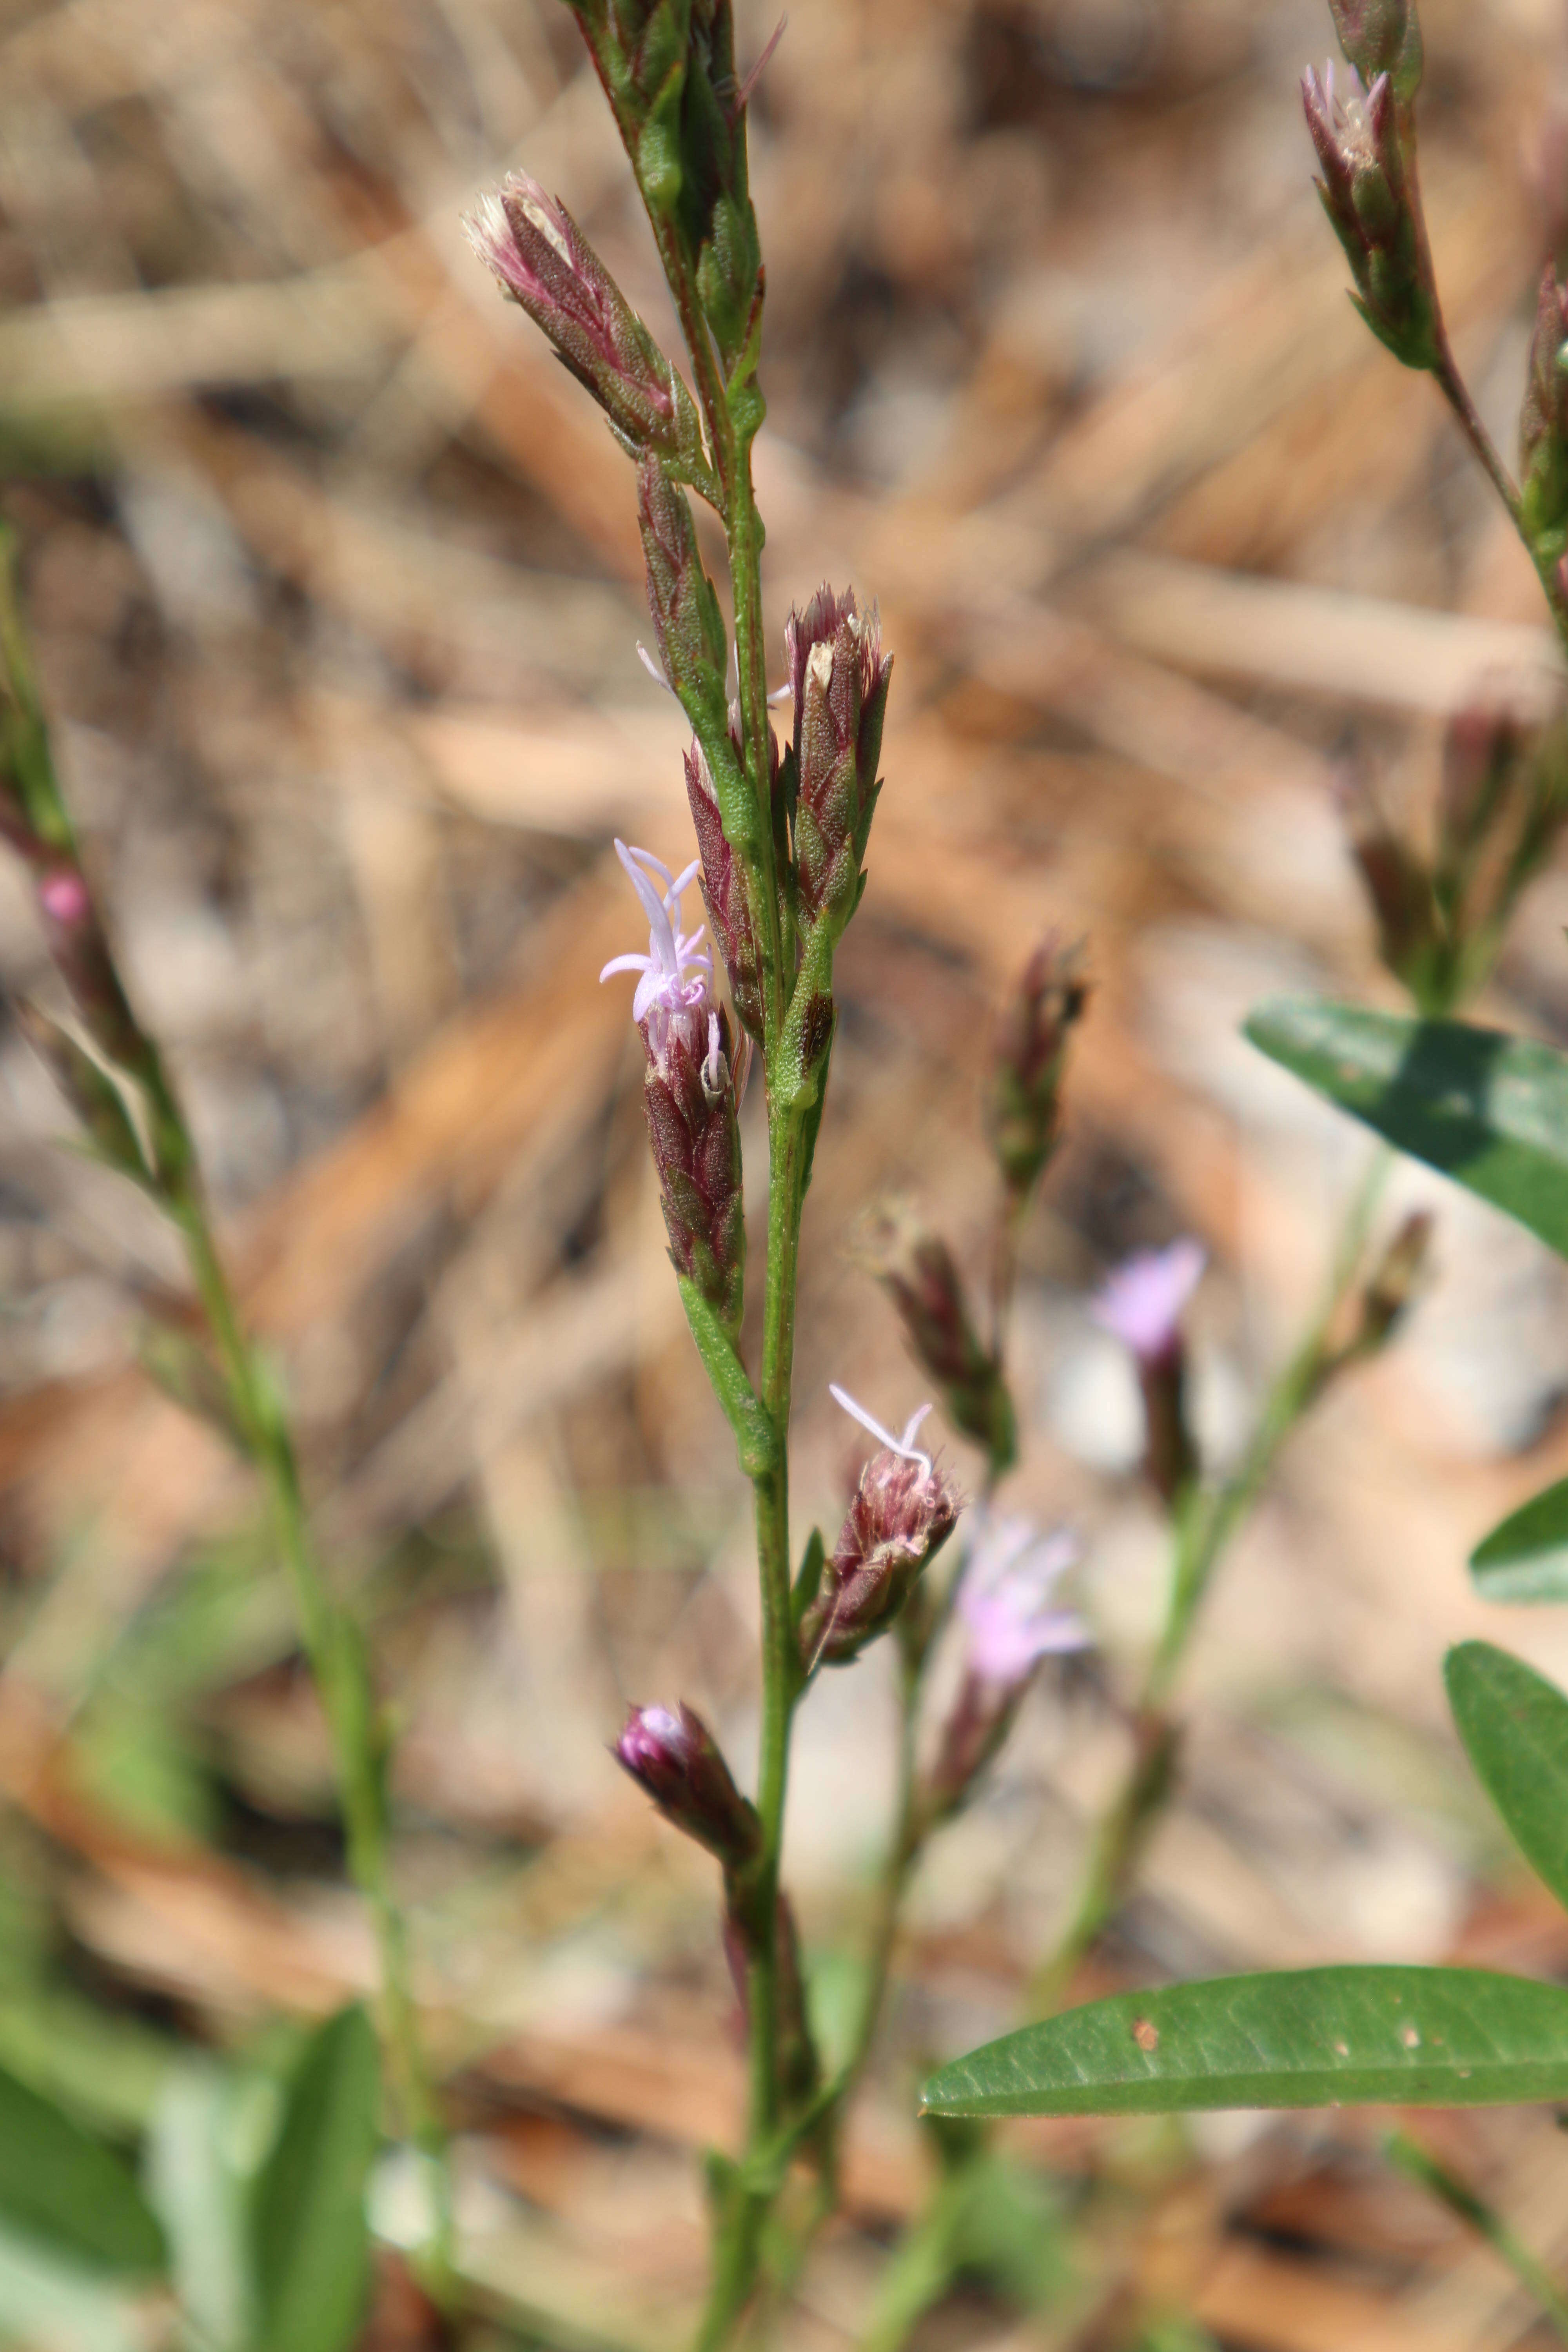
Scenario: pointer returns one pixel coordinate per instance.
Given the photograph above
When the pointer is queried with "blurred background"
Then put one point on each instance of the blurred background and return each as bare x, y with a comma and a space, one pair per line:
336, 589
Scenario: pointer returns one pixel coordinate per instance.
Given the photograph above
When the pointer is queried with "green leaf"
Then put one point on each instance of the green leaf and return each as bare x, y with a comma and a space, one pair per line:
1489, 1109
67, 2190
310, 2238
1525, 1557
45, 2299
1315, 2038
1514, 1725
194, 2181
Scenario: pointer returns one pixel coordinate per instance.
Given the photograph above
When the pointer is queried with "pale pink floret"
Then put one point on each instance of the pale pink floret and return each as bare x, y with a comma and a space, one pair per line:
1004, 1601
1142, 1300
675, 981
63, 898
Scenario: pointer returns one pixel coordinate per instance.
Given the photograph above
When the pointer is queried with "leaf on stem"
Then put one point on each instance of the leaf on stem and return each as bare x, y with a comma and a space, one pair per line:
1487, 1109
1314, 2038
1514, 1725
1525, 1557
68, 2192
309, 2239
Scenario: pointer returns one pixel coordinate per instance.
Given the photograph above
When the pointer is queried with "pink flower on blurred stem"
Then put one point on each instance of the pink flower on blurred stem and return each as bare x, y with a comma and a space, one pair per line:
1004, 1601
63, 897
1142, 1301
676, 983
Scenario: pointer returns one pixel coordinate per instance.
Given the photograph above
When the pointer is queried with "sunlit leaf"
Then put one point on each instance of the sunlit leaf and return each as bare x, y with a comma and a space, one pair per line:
1514, 1725
1525, 1557
1489, 1109
1314, 2037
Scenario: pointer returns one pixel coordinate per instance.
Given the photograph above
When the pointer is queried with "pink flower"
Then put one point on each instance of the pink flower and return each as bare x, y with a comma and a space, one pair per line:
676, 1758
1004, 1601
901, 1515
63, 897
676, 983
1142, 1300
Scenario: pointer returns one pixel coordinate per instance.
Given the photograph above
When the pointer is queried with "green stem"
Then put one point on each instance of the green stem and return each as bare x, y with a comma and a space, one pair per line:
1455, 390
1420, 2166
338, 1667
1204, 1525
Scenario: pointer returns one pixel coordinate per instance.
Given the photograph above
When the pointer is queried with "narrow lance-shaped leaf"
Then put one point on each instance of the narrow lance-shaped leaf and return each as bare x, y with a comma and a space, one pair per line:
1525, 1557
68, 2192
310, 2237
1315, 2038
1514, 1725
1489, 1109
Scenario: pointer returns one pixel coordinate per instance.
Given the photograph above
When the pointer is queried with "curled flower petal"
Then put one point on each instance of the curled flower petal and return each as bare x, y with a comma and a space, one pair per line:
1140, 1302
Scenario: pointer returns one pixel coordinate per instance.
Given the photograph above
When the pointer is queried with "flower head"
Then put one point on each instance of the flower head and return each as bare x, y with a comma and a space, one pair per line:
901, 1515
676, 1760
1004, 1601
675, 986
1142, 1300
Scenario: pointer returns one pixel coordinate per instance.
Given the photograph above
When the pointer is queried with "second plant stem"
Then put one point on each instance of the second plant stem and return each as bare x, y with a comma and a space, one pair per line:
335, 1655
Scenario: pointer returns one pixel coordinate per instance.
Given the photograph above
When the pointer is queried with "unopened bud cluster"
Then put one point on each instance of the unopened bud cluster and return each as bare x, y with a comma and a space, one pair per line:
1504, 795
1023, 1108
917, 1269
1364, 145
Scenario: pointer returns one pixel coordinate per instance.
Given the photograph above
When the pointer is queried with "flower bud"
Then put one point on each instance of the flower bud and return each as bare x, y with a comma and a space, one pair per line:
1369, 197
686, 618
539, 256
838, 676
689, 1094
902, 1512
1005, 1606
1023, 1107
1483, 755
1543, 425
724, 894
1394, 1282
1382, 37
916, 1268
1141, 1303
676, 1760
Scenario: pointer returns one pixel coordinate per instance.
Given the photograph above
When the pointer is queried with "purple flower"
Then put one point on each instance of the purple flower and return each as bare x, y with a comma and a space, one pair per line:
1004, 1601
675, 987
1142, 1300
901, 1515
676, 1760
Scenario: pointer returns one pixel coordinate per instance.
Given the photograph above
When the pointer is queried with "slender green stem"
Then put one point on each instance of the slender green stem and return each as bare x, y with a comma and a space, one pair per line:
1420, 2166
1455, 390
338, 1668
1204, 1525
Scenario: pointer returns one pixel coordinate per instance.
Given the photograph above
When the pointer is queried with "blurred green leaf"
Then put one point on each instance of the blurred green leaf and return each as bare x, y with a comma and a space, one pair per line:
1489, 1109
48, 2300
198, 2186
310, 2239
1314, 2038
69, 2192
1008, 2231
1525, 1557
1514, 1725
